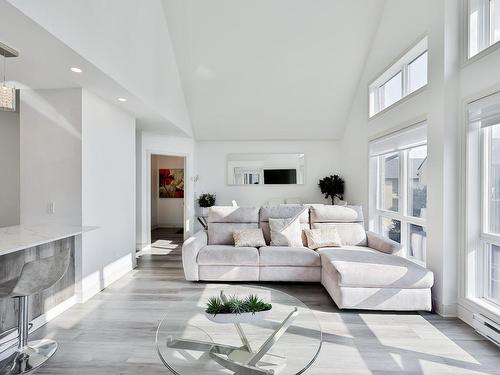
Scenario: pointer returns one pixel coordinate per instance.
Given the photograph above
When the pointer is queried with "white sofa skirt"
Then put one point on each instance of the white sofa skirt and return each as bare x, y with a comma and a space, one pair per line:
228, 273
397, 299
290, 273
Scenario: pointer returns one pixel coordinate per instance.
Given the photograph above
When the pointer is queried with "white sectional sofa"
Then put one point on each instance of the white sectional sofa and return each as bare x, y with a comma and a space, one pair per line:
366, 272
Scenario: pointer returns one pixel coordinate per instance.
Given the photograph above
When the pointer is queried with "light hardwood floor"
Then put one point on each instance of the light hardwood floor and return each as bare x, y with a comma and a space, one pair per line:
114, 332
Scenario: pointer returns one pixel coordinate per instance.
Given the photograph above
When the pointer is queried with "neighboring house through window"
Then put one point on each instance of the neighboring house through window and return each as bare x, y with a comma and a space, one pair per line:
398, 189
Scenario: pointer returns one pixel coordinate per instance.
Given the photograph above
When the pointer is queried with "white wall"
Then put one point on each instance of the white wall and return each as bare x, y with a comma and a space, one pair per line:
165, 212
108, 194
403, 23
127, 41
50, 142
148, 144
322, 158
9, 165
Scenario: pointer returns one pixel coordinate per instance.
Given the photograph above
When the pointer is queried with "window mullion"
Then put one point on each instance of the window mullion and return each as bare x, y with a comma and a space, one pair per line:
488, 29
405, 82
485, 147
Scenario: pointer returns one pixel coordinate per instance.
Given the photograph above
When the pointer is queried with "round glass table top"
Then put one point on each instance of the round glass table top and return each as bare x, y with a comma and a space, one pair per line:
285, 341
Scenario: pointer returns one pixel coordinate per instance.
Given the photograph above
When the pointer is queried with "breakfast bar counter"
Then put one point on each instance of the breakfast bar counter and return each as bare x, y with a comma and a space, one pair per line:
21, 244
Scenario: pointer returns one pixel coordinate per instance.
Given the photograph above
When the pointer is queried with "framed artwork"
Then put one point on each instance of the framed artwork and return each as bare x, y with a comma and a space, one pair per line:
171, 183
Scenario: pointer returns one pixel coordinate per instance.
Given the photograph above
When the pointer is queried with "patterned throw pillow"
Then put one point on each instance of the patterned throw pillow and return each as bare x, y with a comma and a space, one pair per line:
323, 237
249, 238
286, 232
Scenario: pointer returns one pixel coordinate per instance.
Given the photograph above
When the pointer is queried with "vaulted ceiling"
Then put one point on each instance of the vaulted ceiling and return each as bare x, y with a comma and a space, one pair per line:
270, 69
215, 69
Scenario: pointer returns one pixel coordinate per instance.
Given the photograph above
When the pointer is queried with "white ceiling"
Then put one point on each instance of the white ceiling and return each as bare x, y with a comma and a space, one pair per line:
52, 36
262, 69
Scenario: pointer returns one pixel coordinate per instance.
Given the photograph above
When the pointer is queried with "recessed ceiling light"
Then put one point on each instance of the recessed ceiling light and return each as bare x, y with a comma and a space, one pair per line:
122, 99
74, 69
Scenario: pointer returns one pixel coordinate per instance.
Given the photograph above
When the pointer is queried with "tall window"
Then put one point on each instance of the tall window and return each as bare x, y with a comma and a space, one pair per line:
484, 24
398, 189
483, 189
407, 75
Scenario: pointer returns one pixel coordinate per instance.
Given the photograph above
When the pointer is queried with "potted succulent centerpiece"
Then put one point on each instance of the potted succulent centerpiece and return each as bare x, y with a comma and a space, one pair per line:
234, 309
205, 201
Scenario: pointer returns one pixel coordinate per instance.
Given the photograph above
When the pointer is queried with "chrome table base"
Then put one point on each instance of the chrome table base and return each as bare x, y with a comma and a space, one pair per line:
241, 360
29, 358
26, 356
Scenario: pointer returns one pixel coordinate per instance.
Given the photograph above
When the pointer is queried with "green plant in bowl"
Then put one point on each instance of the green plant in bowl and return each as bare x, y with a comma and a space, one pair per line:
236, 305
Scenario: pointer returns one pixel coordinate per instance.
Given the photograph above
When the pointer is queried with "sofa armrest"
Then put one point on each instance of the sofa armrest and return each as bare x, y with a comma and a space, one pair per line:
190, 249
383, 244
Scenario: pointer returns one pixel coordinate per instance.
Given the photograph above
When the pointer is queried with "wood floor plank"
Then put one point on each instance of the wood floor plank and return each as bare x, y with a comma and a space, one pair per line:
114, 332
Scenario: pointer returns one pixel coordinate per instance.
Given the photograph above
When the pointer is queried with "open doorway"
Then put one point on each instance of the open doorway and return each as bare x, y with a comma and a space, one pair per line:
167, 203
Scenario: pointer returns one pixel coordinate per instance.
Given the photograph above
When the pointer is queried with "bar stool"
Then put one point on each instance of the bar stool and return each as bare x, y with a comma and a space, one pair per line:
36, 276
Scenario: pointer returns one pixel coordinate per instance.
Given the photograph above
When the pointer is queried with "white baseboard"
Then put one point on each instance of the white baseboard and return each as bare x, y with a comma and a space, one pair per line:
466, 315
446, 311
116, 271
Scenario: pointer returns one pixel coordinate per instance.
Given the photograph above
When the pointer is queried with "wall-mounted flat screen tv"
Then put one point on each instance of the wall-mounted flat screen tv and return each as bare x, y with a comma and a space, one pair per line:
280, 176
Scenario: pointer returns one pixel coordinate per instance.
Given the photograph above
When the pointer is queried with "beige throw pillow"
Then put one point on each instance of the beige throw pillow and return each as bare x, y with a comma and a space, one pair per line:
286, 232
249, 238
322, 237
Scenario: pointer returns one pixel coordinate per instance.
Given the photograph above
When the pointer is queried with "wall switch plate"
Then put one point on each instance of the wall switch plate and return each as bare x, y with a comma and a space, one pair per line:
51, 208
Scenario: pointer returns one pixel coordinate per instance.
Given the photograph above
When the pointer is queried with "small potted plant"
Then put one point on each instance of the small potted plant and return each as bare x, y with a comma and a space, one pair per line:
234, 309
332, 187
205, 201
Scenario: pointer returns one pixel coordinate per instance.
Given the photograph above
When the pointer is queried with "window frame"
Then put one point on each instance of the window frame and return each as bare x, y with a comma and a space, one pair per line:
486, 39
375, 88
479, 239
402, 215
486, 237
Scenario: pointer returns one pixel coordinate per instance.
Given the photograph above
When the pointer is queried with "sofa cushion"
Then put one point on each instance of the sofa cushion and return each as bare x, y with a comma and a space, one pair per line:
285, 232
351, 234
322, 237
356, 266
222, 233
289, 256
223, 220
224, 255
284, 211
336, 214
248, 238
230, 214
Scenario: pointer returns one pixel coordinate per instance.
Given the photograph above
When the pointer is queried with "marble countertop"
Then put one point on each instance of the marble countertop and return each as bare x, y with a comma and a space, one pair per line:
20, 237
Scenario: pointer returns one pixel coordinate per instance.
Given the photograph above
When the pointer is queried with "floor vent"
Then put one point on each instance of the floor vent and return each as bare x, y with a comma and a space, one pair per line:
487, 328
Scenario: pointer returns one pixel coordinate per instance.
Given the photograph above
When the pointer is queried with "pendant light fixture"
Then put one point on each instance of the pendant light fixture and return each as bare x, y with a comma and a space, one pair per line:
7, 93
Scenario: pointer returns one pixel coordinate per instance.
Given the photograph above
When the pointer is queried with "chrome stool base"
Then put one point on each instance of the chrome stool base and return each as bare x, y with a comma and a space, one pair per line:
29, 358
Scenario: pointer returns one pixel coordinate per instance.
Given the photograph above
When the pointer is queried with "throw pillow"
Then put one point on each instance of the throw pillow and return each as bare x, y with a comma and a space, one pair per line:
322, 237
286, 232
249, 238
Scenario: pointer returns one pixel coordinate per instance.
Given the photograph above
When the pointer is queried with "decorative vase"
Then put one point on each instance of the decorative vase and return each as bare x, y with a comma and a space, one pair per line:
237, 318
204, 211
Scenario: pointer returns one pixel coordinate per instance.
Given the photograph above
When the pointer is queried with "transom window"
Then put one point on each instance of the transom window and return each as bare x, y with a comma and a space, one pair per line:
483, 191
407, 75
398, 197
483, 25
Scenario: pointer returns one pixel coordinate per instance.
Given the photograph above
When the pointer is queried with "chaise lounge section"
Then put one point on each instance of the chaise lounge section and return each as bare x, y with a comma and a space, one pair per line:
366, 272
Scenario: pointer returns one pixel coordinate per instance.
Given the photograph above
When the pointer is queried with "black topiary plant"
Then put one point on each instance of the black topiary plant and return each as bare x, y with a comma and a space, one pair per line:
206, 200
331, 187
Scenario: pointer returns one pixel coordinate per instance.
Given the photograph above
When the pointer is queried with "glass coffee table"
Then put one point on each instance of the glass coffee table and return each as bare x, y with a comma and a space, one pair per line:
285, 342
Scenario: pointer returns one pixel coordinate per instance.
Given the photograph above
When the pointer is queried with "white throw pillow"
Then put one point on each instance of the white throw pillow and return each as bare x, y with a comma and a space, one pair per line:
286, 232
323, 237
249, 238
